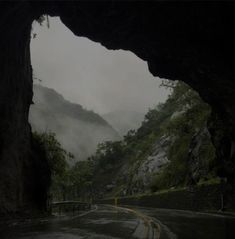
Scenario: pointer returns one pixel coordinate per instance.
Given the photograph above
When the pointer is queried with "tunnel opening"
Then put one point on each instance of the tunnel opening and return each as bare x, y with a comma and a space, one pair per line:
99, 80
198, 51
60, 67
111, 92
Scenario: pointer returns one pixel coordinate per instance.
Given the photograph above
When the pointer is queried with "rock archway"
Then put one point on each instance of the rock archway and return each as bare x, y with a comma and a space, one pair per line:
193, 42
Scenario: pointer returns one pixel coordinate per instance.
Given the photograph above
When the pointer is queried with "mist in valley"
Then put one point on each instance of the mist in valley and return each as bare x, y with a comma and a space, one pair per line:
116, 85
78, 130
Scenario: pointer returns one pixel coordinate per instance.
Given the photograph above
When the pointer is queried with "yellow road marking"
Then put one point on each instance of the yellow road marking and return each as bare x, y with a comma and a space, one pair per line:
147, 221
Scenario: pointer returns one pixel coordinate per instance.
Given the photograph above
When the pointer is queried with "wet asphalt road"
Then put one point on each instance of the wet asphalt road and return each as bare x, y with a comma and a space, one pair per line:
191, 225
101, 223
107, 222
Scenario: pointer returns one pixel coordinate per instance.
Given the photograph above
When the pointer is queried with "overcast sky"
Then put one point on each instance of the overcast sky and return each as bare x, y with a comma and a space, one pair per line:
87, 73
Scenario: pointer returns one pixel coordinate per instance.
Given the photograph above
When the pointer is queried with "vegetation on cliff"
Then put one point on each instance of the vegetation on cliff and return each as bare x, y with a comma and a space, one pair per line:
67, 182
182, 122
78, 130
171, 149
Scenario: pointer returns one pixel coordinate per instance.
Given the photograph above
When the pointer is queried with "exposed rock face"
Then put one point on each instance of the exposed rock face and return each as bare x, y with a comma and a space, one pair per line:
15, 98
145, 170
196, 163
193, 42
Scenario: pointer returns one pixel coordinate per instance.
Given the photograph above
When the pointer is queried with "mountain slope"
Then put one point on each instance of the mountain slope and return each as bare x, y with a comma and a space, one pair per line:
172, 148
123, 121
78, 130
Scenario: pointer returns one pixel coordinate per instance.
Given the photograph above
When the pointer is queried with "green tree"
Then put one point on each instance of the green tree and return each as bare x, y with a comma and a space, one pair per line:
57, 159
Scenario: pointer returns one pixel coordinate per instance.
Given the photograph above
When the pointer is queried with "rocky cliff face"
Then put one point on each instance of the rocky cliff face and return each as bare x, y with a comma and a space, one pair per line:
193, 42
15, 98
138, 176
196, 162
172, 148
21, 173
144, 171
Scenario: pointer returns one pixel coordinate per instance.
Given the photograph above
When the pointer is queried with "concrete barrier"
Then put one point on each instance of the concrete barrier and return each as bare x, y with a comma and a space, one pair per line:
201, 198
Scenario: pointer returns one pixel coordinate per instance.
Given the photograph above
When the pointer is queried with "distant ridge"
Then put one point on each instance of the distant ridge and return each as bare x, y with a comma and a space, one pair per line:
123, 121
79, 130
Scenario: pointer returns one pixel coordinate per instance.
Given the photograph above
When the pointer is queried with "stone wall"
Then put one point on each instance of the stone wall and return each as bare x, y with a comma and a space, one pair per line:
202, 198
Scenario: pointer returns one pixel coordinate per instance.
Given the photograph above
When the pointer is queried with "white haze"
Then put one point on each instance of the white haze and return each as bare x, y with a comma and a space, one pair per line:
75, 135
87, 73
84, 72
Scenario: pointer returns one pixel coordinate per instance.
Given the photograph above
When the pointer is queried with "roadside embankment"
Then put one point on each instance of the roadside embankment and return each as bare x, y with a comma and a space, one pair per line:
201, 198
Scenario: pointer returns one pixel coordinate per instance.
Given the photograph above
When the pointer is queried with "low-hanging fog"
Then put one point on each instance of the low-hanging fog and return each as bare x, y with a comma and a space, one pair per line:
115, 84
77, 129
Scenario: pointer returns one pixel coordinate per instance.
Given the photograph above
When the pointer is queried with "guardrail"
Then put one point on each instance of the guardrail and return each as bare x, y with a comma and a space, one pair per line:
68, 207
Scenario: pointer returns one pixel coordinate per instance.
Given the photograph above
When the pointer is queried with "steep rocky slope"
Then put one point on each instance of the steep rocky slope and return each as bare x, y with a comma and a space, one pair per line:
78, 130
193, 42
172, 148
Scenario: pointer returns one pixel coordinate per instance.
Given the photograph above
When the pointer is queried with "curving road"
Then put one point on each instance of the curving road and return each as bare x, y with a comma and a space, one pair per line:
191, 225
107, 222
104, 222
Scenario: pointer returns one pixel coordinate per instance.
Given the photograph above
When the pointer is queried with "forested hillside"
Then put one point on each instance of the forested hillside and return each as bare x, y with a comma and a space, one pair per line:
171, 149
77, 129
123, 121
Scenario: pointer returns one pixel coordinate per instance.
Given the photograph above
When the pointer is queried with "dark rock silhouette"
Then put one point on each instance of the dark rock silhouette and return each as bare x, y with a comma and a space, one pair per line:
193, 42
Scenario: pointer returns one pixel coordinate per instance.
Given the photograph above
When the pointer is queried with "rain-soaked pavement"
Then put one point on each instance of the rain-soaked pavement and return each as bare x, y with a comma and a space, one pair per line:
191, 225
102, 223
107, 222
